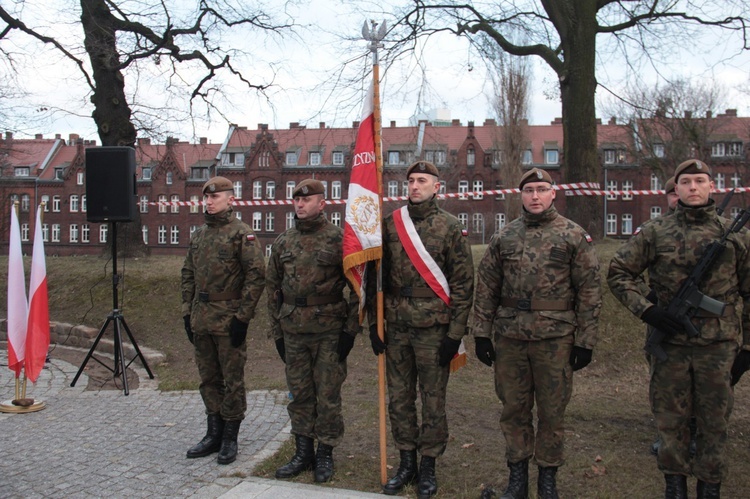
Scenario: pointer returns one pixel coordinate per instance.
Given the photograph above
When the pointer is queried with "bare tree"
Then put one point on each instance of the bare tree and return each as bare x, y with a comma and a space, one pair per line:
563, 33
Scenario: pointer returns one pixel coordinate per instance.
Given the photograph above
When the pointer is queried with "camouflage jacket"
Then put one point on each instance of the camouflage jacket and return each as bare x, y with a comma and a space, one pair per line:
223, 257
307, 261
444, 238
669, 248
541, 257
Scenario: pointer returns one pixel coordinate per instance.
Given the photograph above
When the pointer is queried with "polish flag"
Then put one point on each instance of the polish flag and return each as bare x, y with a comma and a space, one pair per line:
18, 306
37, 336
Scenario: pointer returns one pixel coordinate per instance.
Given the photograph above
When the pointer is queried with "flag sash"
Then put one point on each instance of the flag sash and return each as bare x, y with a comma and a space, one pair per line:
37, 336
18, 305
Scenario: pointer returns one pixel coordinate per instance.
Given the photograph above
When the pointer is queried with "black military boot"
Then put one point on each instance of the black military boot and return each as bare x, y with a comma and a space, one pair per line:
518, 481
212, 441
405, 474
676, 487
709, 490
546, 485
323, 463
427, 486
228, 450
303, 458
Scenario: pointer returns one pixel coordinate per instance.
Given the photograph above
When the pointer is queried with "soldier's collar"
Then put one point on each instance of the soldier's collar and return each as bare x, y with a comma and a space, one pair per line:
222, 218
536, 219
310, 224
422, 210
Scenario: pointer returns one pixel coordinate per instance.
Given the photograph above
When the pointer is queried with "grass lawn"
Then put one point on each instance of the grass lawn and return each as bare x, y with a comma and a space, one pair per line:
609, 425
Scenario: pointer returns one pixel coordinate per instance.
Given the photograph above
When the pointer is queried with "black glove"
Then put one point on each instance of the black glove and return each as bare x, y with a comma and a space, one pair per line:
188, 329
662, 320
346, 342
580, 357
378, 346
740, 365
651, 296
237, 331
448, 349
281, 349
484, 350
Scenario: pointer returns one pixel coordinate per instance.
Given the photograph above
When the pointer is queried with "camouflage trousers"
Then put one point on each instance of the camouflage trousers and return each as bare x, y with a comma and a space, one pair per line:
529, 370
314, 376
694, 380
411, 357
222, 370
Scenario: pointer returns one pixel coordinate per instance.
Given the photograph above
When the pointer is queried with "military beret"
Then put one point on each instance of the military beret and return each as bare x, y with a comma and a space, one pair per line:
534, 175
218, 184
422, 167
669, 186
308, 187
691, 166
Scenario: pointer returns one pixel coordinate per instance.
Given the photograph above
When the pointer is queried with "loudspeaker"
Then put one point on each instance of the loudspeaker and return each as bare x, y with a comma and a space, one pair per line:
110, 184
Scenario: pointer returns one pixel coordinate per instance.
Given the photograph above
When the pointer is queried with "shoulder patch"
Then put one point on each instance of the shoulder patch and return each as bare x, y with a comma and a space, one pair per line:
587, 237
464, 232
250, 237
637, 230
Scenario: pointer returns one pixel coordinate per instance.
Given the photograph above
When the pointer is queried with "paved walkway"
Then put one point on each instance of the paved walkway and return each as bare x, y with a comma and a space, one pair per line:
103, 443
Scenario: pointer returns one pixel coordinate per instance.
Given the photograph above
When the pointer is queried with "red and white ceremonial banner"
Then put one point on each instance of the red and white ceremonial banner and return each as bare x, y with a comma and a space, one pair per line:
362, 224
18, 306
37, 336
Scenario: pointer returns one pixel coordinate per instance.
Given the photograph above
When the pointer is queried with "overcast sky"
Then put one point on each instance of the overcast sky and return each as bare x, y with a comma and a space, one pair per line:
303, 69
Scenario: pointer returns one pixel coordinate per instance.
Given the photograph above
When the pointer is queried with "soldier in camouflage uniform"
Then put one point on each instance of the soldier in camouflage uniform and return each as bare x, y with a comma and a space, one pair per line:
539, 297
222, 279
697, 375
314, 327
423, 333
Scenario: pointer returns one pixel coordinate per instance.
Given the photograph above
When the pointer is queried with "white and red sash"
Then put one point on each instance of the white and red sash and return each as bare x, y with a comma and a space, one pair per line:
418, 255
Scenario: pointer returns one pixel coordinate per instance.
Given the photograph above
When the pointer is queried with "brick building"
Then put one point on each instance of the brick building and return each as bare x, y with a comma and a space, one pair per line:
266, 164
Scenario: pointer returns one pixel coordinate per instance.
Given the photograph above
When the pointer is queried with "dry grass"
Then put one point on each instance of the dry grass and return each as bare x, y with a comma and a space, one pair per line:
609, 423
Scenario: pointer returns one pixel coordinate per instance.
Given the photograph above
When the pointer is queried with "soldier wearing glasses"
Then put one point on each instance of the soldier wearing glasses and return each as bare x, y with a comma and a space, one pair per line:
538, 300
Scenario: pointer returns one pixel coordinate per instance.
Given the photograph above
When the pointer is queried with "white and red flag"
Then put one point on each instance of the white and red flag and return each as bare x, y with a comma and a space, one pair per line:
37, 336
362, 224
18, 305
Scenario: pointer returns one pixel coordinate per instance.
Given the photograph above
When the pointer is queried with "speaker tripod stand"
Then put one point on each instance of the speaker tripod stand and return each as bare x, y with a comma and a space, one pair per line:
118, 320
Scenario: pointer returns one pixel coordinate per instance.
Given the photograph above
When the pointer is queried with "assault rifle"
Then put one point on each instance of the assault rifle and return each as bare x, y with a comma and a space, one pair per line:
689, 298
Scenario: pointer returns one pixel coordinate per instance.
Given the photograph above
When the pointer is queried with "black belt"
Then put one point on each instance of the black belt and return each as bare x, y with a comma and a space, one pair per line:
205, 296
413, 292
528, 305
311, 301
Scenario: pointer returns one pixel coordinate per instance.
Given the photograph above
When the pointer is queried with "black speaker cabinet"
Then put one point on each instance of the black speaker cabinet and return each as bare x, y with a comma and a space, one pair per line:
110, 184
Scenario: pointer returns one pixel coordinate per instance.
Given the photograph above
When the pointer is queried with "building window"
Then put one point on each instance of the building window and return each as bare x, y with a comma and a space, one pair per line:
168, 179
264, 159
237, 189
144, 234
336, 189
103, 231
627, 187
478, 189
611, 224
257, 221
655, 182
441, 189
79, 178
314, 159
526, 157
627, 223
735, 211
719, 179
337, 158
174, 206
551, 156
463, 188
269, 221
146, 173
56, 204
405, 188
238, 215
734, 149
325, 188
336, 218
736, 180
45, 203
74, 203
659, 150
73, 233
609, 156
239, 159
499, 222
471, 156
195, 204
83, 203
655, 212
464, 219
290, 189
22, 171
25, 203
497, 157
718, 150
269, 249
477, 223
611, 187
198, 173
289, 219
392, 188
59, 173
499, 187
85, 233
271, 190
291, 159
161, 237
174, 234
393, 157
55, 233
45, 232
24, 232
436, 157
193, 228
257, 189
163, 203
